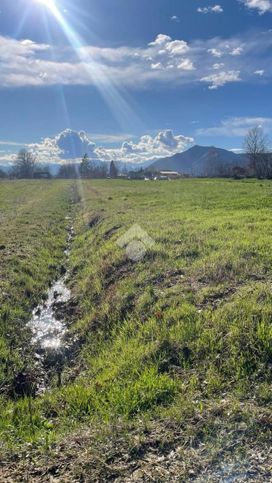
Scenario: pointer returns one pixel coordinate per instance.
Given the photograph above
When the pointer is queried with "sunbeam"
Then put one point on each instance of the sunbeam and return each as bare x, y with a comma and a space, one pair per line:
48, 3
22, 22
65, 114
60, 89
120, 108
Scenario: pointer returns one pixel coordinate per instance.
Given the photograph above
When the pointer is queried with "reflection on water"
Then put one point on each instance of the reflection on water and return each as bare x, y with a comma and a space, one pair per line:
47, 330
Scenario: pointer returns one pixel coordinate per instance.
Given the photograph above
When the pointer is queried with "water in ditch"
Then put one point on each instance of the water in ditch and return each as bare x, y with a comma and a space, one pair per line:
47, 330
48, 325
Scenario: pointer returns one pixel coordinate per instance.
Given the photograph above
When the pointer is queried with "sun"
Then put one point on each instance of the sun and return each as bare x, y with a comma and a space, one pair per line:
48, 3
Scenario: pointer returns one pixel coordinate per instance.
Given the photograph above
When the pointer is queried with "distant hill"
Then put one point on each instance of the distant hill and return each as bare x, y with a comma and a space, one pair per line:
196, 161
200, 161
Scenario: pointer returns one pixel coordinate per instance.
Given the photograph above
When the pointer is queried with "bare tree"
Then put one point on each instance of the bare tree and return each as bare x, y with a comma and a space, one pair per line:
257, 148
24, 164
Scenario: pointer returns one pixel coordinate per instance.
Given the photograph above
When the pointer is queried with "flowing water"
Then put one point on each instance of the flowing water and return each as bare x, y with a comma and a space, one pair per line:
48, 324
47, 331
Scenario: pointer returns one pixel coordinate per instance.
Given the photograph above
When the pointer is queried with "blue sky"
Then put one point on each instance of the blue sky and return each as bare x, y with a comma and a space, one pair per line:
141, 79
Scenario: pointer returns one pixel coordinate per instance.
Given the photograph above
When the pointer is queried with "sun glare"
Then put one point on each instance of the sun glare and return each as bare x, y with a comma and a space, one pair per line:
48, 3
110, 92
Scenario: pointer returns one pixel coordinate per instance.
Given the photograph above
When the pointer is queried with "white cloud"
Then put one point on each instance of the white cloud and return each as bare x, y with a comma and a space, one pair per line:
186, 64
110, 138
7, 159
25, 63
237, 51
73, 145
221, 78
174, 18
237, 150
262, 6
226, 49
211, 9
218, 66
164, 60
259, 72
161, 39
237, 126
175, 47
11, 143
157, 66
215, 52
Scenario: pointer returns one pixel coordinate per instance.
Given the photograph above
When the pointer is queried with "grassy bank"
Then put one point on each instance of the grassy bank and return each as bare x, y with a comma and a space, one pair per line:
174, 351
32, 241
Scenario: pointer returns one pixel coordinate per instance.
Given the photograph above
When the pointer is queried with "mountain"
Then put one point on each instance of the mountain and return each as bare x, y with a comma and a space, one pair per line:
196, 161
201, 161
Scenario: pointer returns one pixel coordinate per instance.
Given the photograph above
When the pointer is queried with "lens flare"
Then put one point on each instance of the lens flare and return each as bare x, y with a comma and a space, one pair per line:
111, 93
48, 3
114, 95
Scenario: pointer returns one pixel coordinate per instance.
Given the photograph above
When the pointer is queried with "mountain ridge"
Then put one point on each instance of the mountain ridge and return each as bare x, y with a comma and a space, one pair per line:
195, 161
198, 160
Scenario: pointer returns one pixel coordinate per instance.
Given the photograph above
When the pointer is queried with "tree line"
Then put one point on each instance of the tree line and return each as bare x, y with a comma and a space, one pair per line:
257, 148
26, 166
88, 169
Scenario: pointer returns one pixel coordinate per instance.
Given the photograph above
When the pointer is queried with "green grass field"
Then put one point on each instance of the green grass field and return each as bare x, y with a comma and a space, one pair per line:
172, 354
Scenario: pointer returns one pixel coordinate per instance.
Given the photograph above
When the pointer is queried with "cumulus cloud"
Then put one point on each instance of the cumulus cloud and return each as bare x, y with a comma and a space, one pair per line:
262, 6
25, 63
72, 145
164, 60
211, 9
237, 126
227, 49
221, 78
161, 39
167, 45
186, 64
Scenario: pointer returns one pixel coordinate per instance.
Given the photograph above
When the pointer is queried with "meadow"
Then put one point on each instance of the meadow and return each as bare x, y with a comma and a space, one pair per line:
170, 365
